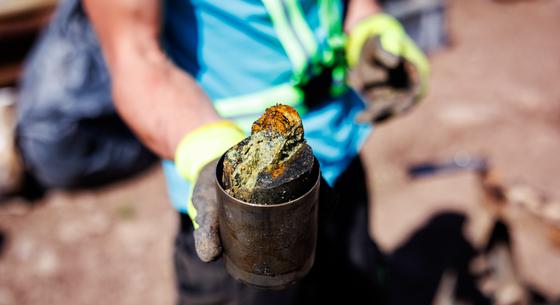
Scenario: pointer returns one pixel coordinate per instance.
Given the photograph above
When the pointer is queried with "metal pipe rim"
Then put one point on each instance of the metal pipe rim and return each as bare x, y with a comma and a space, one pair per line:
217, 180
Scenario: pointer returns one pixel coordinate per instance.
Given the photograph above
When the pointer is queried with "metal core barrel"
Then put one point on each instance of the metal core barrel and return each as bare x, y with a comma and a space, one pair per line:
269, 246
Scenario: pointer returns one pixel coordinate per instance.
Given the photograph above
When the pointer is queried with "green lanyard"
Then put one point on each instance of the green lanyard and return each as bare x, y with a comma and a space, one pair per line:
307, 60
330, 14
298, 39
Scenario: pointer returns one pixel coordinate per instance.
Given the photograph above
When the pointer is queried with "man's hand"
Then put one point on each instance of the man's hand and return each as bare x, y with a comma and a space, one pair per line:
205, 204
386, 67
195, 160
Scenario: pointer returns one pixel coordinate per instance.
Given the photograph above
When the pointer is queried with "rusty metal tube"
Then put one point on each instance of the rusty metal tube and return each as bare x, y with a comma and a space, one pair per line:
269, 246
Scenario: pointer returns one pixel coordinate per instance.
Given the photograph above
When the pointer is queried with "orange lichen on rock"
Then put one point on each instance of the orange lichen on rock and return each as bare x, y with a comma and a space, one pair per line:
277, 171
280, 118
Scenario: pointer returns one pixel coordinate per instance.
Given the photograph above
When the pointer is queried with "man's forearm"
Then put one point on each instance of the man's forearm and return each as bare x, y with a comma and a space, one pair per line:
157, 100
358, 10
160, 102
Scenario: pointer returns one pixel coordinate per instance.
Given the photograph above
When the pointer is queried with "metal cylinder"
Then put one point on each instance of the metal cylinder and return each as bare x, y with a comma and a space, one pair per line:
269, 246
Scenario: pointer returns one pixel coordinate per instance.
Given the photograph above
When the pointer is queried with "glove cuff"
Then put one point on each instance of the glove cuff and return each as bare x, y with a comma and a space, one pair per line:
373, 25
203, 145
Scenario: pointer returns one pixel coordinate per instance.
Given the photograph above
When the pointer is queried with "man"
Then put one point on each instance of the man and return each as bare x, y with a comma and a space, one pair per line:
188, 77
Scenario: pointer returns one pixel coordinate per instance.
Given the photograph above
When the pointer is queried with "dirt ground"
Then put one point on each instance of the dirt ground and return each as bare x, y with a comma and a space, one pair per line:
494, 92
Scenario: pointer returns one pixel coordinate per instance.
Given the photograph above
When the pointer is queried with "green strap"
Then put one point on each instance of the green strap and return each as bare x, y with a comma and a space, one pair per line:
302, 48
330, 18
246, 108
286, 34
298, 39
301, 27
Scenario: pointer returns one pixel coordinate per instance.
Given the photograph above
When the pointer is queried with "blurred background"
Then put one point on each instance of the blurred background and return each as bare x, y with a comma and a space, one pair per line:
484, 143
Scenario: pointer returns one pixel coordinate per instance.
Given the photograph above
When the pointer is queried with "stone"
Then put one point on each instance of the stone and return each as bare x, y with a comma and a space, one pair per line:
274, 164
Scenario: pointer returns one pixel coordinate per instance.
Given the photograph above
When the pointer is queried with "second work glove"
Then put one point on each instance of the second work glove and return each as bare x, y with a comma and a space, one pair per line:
386, 67
196, 158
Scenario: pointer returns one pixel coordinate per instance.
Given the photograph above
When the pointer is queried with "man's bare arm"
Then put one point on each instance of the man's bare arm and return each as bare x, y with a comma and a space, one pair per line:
358, 10
158, 101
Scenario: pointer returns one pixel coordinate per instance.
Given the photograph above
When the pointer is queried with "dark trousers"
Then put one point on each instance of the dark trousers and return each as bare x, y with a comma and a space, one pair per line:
345, 264
349, 268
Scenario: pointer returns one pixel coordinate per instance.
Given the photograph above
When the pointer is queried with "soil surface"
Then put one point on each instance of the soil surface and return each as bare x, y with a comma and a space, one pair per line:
494, 93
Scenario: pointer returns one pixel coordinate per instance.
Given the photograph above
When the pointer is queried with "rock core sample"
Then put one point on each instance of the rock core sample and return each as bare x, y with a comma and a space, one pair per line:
274, 164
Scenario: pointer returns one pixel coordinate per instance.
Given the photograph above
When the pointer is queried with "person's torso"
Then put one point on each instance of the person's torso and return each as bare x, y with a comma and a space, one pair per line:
230, 47
233, 49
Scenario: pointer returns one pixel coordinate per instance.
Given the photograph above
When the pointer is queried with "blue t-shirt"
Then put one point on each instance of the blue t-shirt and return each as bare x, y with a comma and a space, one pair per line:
231, 49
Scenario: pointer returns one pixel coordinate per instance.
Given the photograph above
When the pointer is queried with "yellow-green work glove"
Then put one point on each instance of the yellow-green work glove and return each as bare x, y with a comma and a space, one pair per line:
196, 158
386, 67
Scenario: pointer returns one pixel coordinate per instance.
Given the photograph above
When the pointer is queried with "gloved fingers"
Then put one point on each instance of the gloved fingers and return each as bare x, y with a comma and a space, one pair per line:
385, 106
374, 52
207, 243
378, 66
373, 65
419, 62
383, 26
206, 235
397, 95
390, 84
387, 68
417, 75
